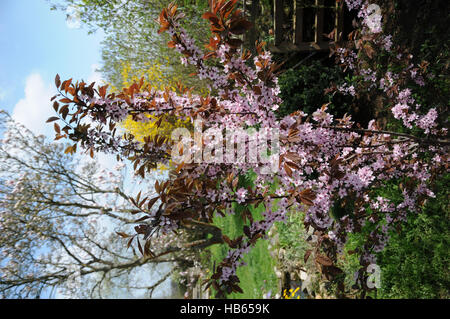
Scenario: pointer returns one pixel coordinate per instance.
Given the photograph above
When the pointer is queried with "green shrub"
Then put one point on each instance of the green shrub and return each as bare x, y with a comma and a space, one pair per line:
303, 89
415, 262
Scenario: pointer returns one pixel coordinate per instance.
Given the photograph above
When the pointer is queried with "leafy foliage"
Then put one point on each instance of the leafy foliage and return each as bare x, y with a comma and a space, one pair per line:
303, 89
415, 263
130, 34
323, 162
153, 77
59, 217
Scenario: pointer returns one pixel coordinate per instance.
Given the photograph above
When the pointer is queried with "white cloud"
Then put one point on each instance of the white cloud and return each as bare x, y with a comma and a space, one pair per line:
73, 17
35, 108
95, 75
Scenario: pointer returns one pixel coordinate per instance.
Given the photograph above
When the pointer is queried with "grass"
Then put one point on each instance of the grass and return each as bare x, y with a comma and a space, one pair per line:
258, 275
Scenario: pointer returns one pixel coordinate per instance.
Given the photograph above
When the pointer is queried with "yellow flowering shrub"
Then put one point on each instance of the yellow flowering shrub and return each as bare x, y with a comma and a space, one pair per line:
154, 78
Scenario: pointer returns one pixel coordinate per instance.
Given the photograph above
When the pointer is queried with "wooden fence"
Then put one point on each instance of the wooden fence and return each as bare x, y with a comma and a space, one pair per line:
301, 25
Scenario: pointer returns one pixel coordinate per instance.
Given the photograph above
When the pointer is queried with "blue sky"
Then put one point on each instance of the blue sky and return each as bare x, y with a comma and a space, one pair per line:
35, 44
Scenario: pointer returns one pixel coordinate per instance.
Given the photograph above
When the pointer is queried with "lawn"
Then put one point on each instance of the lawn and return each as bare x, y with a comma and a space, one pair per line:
258, 276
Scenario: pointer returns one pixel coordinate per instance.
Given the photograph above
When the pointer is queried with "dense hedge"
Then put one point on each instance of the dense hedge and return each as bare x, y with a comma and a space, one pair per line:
415, 262
303, 88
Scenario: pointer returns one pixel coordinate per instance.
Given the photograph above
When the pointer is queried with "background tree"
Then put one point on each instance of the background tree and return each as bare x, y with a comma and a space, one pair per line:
131, 34
58, 227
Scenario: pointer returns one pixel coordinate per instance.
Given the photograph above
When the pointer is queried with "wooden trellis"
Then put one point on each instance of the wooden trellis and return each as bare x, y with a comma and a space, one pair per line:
292, 38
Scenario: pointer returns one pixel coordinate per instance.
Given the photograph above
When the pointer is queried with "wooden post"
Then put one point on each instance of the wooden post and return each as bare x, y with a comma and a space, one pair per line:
298, 22
339, 21
278, 23
253, 33
319, 21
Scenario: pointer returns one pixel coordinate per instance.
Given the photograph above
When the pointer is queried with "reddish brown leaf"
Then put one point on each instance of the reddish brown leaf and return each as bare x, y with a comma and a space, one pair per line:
151, 202
324, 260
236, 288
226, 239
140, 247
307, 196
129, 242
288, 170
247, 231
55, 106
234, 43
57, 81
239, 26
141, 219
157, 187
257, 90
307, 254
51, 119
123, 235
